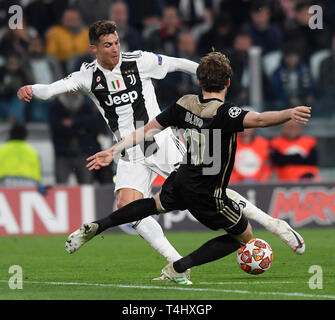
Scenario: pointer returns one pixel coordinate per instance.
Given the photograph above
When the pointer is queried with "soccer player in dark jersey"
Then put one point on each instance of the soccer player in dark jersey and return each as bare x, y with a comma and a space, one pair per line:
120, 84
210, 128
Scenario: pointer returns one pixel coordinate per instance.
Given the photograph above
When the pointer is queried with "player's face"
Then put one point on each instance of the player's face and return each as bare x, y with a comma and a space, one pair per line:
108, 50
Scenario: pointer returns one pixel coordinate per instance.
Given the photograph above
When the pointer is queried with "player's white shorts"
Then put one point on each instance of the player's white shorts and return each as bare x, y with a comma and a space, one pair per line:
140, 175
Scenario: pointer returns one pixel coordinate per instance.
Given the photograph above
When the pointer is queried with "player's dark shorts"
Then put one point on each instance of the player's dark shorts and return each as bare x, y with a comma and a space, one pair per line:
214, 213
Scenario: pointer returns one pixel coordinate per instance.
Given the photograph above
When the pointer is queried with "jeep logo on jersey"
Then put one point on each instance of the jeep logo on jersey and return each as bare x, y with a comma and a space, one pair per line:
128, 97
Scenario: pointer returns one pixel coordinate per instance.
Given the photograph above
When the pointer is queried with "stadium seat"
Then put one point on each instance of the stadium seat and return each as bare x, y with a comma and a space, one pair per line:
45, 150
315, 62
271, 62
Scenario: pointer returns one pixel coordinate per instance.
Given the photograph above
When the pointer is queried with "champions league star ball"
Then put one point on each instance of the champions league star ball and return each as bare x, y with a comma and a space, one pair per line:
255, 257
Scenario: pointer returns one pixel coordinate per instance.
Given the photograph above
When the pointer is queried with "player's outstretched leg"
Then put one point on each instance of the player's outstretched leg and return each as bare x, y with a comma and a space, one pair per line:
212, 250
79, 237
136, 210
277, 226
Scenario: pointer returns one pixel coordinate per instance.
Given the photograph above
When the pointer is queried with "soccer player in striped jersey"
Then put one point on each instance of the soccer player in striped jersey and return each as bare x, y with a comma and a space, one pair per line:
210, 127
121, 86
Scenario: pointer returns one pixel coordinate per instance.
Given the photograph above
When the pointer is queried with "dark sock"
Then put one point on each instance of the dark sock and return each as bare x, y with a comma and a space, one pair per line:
212, 250
133, 211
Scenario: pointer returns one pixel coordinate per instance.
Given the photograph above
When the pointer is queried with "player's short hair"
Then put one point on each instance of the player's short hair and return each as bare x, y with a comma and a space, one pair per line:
214, 72
100, 28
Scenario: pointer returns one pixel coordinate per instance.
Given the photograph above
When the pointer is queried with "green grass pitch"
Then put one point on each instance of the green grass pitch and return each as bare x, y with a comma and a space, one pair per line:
121, 266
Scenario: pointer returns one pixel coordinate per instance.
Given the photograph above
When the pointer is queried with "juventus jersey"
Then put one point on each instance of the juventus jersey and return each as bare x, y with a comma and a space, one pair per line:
125, 96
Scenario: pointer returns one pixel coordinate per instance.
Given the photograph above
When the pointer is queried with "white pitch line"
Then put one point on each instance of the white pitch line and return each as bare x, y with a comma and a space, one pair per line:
113, 285
250, 282
255, 282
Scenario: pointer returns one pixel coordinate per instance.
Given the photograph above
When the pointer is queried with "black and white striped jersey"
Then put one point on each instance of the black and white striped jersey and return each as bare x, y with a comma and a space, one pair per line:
125, 96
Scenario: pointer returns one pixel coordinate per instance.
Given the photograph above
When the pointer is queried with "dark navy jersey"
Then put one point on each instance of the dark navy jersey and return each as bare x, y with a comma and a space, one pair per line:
209, 128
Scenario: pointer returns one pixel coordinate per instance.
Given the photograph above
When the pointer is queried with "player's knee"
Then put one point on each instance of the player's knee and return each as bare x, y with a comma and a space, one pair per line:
126, 196
121, 202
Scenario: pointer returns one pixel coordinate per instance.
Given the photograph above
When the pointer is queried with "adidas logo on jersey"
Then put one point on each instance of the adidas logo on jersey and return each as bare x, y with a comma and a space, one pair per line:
99, 87
123, 98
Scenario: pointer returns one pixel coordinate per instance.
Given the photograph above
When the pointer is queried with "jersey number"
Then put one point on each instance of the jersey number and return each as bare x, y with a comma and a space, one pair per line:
195, 142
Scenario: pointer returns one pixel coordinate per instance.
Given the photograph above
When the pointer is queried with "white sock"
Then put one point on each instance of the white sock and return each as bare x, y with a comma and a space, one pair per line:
151, 231
252, 212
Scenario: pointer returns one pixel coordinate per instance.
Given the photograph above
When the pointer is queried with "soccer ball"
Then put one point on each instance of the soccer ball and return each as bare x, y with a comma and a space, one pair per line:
255, 257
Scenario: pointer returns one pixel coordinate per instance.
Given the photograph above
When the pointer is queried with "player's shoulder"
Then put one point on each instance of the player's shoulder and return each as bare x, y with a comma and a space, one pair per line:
83, 76
198, 106
88, 66
143, 58
188, 99
189, 102
226, 106
133, 55
230, 109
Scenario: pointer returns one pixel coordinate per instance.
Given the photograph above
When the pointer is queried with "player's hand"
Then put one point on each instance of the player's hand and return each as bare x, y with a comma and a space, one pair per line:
301, 114
25, 93
100, 159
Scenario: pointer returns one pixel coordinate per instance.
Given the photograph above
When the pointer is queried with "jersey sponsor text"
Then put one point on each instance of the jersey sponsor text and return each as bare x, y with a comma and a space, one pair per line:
127, 97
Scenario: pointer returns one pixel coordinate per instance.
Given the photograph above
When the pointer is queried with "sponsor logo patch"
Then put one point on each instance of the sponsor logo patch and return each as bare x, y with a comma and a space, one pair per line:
160, 59
234, 112
124, 98
116, 84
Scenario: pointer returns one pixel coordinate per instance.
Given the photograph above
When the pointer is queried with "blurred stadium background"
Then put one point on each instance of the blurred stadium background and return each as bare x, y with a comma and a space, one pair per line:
279, 59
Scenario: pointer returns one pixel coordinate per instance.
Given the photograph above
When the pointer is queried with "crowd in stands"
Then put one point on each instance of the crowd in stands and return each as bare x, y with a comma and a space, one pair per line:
290, 157
298, 61
54, 42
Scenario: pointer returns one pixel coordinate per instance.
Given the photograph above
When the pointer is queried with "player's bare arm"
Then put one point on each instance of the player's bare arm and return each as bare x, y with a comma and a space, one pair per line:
104, 158
299, 114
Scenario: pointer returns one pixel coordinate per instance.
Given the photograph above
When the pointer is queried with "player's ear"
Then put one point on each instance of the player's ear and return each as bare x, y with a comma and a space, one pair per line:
93, 48
228, 83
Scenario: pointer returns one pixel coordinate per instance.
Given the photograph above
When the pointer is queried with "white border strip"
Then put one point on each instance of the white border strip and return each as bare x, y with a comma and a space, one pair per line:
112, 285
